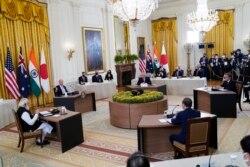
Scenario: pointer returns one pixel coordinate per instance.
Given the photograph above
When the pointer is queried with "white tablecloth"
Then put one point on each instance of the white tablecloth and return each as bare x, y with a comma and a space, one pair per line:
181, 86
6, 116
102, 90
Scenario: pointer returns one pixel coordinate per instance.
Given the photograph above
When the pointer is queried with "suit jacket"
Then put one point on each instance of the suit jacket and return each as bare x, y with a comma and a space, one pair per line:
108, 76
199, 73
182, 118
97, 78
142, 80
58, 90
175, 73
229, 85
161, 74
82, 79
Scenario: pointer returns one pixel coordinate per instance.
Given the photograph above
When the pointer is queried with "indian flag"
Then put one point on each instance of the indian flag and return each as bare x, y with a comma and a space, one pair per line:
44, 73
34, 75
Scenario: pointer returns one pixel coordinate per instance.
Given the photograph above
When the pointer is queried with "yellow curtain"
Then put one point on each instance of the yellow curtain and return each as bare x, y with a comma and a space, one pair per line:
24, 23
165, 30
222, 35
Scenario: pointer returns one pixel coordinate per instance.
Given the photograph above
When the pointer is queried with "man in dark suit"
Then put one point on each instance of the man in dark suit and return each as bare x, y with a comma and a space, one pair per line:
228, 83
144, 79
182, 118
97, 78
199, 71
161, 72
83, 79
178, 72
60, 89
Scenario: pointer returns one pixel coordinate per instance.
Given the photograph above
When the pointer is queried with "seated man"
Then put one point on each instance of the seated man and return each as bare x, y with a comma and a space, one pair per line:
245, 146
199, 72
97, 77
182, 118
83, 79
109, 76
60, 89
137, 159
161, 72
178, 72
30, 122
144, 79
228, 83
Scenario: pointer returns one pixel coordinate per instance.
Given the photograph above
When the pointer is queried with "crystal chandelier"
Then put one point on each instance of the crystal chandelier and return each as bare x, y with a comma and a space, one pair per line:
133, 10
202, 20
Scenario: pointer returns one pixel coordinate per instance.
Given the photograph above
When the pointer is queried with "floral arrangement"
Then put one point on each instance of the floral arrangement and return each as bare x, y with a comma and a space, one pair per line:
131, 97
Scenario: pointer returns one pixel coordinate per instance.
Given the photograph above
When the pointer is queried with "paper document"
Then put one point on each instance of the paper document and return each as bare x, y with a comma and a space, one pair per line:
45, 113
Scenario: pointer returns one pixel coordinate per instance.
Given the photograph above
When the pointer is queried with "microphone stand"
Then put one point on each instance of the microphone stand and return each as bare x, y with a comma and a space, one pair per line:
172, 112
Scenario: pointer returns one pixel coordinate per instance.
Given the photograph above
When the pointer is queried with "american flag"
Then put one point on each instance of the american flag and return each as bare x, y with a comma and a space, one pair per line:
10, 77
142, 63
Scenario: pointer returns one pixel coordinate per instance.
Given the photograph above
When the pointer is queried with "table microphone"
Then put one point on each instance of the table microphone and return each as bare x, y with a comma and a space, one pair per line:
171, 115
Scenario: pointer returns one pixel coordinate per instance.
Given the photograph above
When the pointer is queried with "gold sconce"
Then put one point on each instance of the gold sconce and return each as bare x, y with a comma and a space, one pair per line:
70, 53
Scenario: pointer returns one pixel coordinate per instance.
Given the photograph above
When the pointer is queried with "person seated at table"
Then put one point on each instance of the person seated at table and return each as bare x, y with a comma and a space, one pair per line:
97, 77
161, 72
143, 78
182, 118
178, 72
30, 122
137, 159
199, 72
245, 146
60, 89
228, 83
109, 76
83, 79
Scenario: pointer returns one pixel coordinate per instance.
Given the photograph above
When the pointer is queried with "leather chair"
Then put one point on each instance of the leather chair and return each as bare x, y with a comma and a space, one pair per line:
197, 141
239, 87
25, 135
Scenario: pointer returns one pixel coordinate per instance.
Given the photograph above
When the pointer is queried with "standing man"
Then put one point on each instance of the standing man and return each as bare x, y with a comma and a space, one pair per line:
182, 118
83, 79
204, 63
60, 89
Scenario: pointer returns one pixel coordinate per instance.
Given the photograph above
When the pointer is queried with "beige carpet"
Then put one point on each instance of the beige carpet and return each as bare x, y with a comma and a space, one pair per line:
105, 145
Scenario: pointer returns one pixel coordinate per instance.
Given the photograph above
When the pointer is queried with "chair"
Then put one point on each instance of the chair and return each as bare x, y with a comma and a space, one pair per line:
198, 132
25, 135
239, 87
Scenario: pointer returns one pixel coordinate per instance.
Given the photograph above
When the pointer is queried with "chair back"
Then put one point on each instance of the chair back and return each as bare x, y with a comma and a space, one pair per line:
198, 132
239, 87
18, 123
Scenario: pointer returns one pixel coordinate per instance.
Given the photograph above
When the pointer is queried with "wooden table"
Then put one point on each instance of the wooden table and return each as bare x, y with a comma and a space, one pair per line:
157, 87
153, 136
77, 103
221, 103
68, 128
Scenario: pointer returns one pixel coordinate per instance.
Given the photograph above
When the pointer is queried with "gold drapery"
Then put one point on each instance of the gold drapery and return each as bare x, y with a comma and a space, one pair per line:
165, 30
222, 35
25, 23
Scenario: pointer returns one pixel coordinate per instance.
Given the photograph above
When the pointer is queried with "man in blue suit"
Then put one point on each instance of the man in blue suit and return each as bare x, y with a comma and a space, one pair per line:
182, 118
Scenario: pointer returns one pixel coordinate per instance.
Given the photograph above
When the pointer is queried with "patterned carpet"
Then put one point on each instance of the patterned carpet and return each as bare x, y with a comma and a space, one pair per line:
105, 145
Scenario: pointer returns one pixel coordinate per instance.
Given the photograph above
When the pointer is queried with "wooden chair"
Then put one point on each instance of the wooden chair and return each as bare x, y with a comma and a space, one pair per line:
239, 87
25, 135
197, 141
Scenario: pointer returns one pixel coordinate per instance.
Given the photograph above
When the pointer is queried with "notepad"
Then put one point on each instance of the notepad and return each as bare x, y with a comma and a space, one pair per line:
45, 113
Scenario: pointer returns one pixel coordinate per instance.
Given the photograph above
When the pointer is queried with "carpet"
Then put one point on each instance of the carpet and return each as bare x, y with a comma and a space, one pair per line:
106, 145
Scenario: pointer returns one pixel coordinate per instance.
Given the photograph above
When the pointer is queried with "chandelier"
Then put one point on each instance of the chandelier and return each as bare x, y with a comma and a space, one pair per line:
133, 10
202, 20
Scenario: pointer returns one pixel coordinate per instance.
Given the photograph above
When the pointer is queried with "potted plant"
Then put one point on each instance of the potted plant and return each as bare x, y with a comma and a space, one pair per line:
119, 59
131, 58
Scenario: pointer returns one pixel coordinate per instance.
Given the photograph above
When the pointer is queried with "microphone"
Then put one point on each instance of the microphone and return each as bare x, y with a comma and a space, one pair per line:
209, 165
171, 115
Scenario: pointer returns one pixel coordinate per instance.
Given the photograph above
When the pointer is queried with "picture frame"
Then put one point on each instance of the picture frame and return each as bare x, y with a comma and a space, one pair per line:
141, 48
93, 49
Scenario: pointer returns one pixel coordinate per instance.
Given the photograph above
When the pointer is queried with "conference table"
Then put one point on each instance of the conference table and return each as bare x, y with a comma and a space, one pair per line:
102, 90
6, 116
216, 160
153, 135
221, 102
178, 86
68, 128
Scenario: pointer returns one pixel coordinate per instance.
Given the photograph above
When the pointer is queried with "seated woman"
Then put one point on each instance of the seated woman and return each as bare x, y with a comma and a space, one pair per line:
30, 122
109, 76
144, 79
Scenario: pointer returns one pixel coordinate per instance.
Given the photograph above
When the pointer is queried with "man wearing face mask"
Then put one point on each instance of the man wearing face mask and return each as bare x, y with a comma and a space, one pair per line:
83, 79
109, 76
97, 78
224, 64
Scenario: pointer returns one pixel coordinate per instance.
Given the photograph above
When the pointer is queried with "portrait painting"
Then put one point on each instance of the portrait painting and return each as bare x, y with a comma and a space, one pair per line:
93, 49
141, 47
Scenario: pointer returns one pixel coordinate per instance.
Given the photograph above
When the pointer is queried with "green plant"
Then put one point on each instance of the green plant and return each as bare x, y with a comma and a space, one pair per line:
128, 97
131, 58
119, 58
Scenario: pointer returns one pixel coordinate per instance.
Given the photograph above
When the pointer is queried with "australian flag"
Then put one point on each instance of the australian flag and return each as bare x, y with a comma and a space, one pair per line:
23, 79
149, 65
